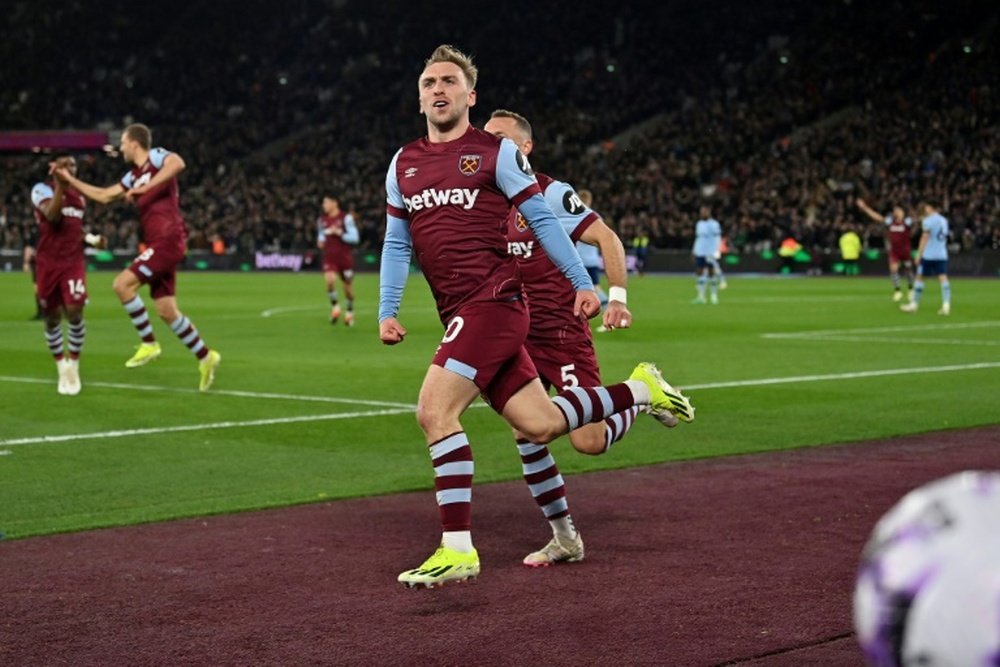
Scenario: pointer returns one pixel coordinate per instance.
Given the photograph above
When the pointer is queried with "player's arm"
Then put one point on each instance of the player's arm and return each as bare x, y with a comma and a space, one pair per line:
395, 265
92, 192
869, 211
172, 164
516, 180
617, 314
51, 208
29, 255
350, 234
924, 238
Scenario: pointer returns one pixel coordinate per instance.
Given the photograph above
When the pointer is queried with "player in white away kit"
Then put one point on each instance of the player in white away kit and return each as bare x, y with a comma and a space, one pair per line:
707, 241
932, 258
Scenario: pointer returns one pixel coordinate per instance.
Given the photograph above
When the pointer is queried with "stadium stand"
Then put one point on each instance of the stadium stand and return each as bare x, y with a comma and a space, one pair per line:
777, 113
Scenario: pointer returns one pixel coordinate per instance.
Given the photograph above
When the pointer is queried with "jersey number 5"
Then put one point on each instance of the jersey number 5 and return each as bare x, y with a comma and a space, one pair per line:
569, 380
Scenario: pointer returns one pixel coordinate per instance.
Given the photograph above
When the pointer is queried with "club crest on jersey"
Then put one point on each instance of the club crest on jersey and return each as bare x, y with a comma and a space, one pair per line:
521, 223
469, 164
410, 172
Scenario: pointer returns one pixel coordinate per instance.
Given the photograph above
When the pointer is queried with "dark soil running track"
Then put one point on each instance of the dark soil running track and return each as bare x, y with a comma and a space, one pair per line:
739, 561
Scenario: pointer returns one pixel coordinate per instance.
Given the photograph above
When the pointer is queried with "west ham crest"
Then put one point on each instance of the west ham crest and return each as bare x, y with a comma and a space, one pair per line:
521, 223
469, 164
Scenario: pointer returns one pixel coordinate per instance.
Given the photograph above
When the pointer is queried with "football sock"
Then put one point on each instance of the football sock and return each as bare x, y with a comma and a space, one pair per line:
543, 478
701, 286
946, 292
76, 335
54, 337
895, 280
350, 305
617, 425
563, 527
587, 405
136, 310
459, 540
453, 471
188, 334
918, 291
333, 297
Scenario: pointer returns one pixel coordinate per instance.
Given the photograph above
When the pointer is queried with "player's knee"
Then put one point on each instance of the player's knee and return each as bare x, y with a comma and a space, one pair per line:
123, 287
432, 419
542, 432
588, 441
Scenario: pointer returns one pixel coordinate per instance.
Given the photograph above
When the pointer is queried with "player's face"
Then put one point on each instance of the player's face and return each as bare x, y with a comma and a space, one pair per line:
127, 148
330, 205
507, 127
898, 213
445, 97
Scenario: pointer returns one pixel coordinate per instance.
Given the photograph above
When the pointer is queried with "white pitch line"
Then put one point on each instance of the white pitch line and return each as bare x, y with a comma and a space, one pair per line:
45, 439
841, 376
404, 409
223, 392
919, 327
909, 341
287, 309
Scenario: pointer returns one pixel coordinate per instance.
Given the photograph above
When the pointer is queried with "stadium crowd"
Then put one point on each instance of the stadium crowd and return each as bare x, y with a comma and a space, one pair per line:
777, 114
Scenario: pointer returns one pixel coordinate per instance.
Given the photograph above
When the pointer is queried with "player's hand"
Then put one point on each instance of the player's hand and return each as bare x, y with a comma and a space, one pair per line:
95, 240
586, 305
134, 193
62, 173
617, 316
391, 331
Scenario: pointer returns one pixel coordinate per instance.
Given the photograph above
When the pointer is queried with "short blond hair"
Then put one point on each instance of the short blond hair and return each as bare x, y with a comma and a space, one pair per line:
447, 53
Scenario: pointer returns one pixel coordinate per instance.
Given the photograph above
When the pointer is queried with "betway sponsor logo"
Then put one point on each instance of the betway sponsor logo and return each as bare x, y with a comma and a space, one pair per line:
520, 248
276, 260
432, 197
72, 212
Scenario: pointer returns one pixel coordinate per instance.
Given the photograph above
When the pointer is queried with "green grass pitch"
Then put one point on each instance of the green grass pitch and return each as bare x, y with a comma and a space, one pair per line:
303, 411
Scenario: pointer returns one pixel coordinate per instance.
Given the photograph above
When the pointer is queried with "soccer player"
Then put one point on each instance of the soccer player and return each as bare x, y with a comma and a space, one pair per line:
559, 343
61, 274
707, 240
448, 196
151, 184
337, 235
932, 257
900, 228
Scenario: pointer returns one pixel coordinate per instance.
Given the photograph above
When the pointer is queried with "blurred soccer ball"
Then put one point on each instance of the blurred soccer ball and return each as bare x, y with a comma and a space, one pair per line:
928, 589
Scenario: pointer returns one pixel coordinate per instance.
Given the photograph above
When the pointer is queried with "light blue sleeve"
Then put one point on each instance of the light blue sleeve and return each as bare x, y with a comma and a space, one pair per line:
321, 231
127, 180
514, 175
395, 266
396, 250
351, 234
555, 241
41, 192
566, 204
514, 172
157, 156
